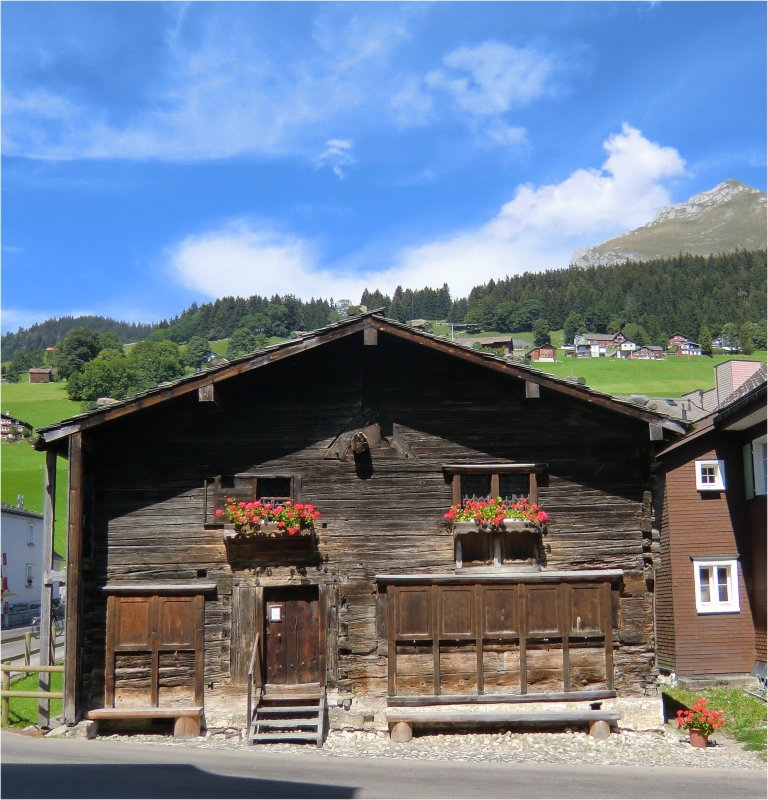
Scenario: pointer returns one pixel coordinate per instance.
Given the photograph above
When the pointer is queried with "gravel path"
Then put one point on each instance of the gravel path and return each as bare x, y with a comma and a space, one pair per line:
663, 748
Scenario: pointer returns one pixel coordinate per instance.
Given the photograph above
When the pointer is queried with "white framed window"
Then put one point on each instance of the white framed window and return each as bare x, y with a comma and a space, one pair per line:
710, 476
717, 586
31, 536
30, 574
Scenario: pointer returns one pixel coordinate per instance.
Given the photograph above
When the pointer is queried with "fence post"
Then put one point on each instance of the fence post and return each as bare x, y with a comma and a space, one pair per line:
47, 633
6, 686
27, 648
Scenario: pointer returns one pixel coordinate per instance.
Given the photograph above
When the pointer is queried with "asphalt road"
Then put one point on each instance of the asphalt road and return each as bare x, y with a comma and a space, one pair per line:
16, 649
65, 768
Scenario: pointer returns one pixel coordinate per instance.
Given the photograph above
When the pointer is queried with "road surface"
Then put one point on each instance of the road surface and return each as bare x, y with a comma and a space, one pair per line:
65, 768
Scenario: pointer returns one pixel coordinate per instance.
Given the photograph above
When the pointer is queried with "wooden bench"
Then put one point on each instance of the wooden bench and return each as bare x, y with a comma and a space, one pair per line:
402, 723
186, 725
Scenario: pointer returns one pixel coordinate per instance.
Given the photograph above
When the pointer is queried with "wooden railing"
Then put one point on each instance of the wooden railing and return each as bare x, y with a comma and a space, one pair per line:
254, 674
6, 693
26, 656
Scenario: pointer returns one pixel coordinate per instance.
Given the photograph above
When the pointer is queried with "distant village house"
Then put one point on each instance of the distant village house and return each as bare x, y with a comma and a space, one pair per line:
545, 352
40, 375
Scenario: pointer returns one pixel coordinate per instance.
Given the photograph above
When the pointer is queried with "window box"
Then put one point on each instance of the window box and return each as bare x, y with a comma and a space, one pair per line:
710, 476
716, 583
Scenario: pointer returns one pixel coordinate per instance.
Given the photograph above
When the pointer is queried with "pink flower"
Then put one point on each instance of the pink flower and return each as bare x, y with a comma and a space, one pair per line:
219, 512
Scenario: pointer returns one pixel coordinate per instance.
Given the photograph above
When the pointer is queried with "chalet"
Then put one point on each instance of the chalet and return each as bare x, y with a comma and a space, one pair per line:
545, 352
648, 352
626, 347
40, 375
382, 601
12, 429
711, 586
505, 343
680, 345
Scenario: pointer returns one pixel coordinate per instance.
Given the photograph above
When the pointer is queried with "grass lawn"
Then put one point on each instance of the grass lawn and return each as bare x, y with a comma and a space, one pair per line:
745, 716
672, 377
22, 467
22, 711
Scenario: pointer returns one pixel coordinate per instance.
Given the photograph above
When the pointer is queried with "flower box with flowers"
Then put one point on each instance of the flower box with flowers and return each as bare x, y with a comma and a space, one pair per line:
496, 515
259, 519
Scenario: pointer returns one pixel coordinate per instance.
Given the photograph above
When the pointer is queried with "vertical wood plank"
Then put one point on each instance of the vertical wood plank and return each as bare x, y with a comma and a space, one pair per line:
205, 501
456, 489
522, 627
565, 626
533, 489
605, 612
46, 599
332, 664
495, 485
479, 626
243, 634
74, 581
297, 488
391, 643
155, 611
199, 649
436, 626
323, 597
109, 660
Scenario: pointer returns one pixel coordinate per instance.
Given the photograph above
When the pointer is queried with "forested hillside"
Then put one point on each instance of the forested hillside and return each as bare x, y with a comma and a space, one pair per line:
661, 297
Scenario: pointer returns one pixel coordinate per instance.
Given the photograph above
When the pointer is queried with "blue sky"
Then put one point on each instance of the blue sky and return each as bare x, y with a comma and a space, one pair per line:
158, 154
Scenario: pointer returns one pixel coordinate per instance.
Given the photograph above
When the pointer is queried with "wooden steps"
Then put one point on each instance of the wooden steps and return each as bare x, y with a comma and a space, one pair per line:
289, 716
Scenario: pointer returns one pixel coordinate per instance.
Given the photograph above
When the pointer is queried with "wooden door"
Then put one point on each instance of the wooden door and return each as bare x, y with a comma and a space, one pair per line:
292, 635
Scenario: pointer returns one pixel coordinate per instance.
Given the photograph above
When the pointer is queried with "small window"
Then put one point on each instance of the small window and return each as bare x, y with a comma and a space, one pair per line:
31, 536
30, 574
710, 476
272, 489
717, 587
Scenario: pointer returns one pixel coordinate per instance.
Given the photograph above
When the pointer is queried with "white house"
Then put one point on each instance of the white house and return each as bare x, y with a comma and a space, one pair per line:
22, 566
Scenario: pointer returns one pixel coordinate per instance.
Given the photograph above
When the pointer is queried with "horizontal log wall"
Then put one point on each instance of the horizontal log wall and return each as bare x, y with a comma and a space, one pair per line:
147, 497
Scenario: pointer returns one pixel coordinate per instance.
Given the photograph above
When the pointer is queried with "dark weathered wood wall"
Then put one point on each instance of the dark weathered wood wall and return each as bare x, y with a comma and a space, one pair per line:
145, 497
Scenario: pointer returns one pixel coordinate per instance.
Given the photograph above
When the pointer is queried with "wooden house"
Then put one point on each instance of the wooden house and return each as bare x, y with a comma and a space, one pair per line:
711, 587
381, 428
40, 375
648, 352
545, 352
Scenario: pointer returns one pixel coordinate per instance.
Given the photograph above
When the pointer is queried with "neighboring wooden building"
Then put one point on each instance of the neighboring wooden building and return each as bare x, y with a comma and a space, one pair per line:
711, 587
648, 352
40, 375
545, 352
12, 429
382, 428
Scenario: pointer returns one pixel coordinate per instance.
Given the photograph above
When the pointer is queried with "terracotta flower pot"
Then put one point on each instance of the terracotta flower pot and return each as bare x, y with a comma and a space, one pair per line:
698, 739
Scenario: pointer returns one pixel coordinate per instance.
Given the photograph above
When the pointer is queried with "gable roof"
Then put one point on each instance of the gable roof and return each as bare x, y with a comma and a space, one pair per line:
317, 338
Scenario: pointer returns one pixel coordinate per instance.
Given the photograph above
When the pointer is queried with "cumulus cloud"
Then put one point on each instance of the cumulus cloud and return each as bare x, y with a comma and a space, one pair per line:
537, 229
492, 77
337, 154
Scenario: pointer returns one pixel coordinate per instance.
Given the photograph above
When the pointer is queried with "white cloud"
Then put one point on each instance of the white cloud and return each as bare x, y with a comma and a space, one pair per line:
337, 154
492, 77
537, 229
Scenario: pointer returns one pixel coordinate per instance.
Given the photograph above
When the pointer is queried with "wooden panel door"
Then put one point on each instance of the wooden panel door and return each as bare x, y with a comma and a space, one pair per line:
292, 635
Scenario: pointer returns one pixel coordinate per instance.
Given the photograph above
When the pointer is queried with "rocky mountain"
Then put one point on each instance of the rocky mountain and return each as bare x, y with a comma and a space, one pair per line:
729, 217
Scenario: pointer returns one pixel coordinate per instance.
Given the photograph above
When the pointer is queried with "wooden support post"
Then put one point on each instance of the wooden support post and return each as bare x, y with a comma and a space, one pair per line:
199, 651
533, 489
456, 487
46, 604
74, 580
495, 485
27, 648
600, 729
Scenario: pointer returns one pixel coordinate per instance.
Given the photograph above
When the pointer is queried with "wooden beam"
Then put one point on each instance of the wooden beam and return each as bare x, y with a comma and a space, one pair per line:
405, 701
504, 468
532, 390
74, 581
46, 600
370, 336
656, 432
208, 394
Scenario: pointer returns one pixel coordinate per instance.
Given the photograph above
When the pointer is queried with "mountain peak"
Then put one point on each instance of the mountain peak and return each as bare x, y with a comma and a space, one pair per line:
731, 216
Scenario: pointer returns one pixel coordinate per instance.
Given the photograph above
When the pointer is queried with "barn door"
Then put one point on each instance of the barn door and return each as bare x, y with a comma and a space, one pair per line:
292, 635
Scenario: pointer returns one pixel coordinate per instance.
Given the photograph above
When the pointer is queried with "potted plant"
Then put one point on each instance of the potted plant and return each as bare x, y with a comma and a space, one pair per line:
259, 519
495, 515
700, 722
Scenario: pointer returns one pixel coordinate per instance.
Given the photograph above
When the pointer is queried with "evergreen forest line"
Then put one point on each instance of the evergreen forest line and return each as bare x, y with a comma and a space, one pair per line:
662, 297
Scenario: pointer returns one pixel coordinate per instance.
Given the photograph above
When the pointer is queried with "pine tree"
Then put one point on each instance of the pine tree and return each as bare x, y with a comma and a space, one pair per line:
705, 340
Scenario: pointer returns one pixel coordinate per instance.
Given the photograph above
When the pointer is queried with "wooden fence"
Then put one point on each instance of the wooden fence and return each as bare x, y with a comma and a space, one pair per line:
6, 693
